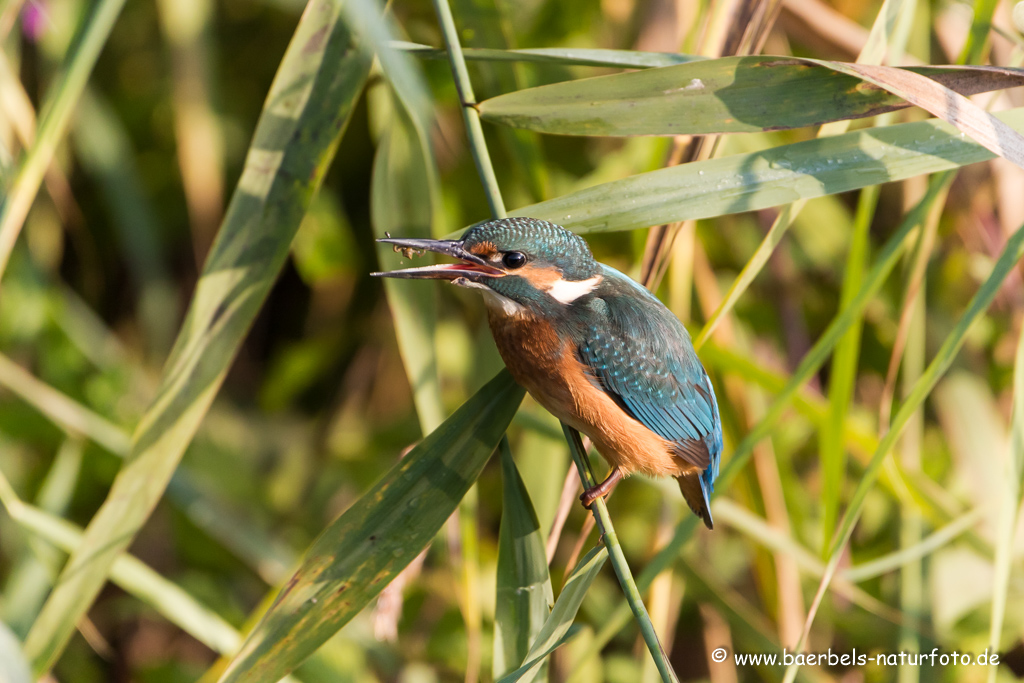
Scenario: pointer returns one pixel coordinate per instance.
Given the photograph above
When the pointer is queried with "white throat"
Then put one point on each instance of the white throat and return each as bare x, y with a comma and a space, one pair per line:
493, 300
567, 291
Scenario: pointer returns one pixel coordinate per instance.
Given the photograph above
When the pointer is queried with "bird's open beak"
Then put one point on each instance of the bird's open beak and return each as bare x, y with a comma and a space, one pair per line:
472, 268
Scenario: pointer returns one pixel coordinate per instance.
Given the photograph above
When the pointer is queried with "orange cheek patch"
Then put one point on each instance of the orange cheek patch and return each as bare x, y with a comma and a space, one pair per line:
484, 250
541, 277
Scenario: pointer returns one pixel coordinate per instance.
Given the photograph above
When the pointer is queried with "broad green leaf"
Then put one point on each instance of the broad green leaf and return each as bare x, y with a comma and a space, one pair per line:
403, 202
523, 596
892, 14
361, 551
726, 95
781, 175
947, 104
305, 113
565, 56
556, 627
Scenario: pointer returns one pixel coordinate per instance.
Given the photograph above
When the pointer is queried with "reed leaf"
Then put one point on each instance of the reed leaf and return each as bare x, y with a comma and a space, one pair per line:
727, 95
780, 175
523, 594
564, 56
361, 551
556, 628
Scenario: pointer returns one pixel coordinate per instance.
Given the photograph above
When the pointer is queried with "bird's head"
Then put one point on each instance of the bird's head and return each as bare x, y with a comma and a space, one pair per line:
523, 265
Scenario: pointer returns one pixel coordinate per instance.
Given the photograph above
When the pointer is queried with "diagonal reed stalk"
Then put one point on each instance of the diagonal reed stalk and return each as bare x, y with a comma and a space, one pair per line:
482, 158
618, 560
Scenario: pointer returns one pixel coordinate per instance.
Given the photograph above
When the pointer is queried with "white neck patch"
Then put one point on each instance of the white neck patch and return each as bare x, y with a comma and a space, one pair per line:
567, 291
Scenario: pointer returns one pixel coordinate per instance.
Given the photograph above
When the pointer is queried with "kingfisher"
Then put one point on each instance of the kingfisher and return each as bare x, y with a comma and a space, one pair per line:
595, 348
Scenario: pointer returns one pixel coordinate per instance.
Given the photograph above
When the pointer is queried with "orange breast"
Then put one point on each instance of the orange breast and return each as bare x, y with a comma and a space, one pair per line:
549, 369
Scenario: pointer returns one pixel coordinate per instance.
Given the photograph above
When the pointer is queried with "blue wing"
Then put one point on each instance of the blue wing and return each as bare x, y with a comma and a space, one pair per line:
642, 357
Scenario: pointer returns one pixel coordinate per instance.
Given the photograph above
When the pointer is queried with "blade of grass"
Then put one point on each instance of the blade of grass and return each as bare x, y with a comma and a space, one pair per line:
104, 150
268, 556
1011, 254
913, 553
749, 622
858, 439
780, 175
523, 596
306, 112
1010, 502
777, 540
888, 34
368, 19
977, 38
31, 576
727, 95
844, 367
56, 115
186, 25
361, 551
72, 417
556, 628
131, 574
912, 576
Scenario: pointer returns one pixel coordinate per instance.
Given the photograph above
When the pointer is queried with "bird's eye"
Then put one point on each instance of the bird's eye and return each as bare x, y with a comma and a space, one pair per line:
514, 259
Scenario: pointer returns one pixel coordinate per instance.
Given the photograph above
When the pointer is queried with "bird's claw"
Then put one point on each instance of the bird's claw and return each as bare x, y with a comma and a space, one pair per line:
601, 490
590, 495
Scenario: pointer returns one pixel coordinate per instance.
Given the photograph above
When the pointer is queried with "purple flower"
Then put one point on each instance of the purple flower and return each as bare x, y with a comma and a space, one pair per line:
34, 19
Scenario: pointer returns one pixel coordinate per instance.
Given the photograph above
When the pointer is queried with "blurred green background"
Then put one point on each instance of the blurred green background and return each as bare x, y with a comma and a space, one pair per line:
317, 406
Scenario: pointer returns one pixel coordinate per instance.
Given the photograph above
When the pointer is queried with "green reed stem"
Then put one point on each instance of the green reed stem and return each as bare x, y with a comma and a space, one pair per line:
477, 143
618, 559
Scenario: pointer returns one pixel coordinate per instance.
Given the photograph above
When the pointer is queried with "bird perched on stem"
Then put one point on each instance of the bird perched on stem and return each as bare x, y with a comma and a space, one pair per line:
595, 348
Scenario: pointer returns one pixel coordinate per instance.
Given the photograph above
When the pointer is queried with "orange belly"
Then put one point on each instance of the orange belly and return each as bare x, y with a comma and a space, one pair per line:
548, 368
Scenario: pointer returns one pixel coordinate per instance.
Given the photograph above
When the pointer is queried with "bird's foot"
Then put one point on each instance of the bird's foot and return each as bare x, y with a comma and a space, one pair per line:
601, 490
